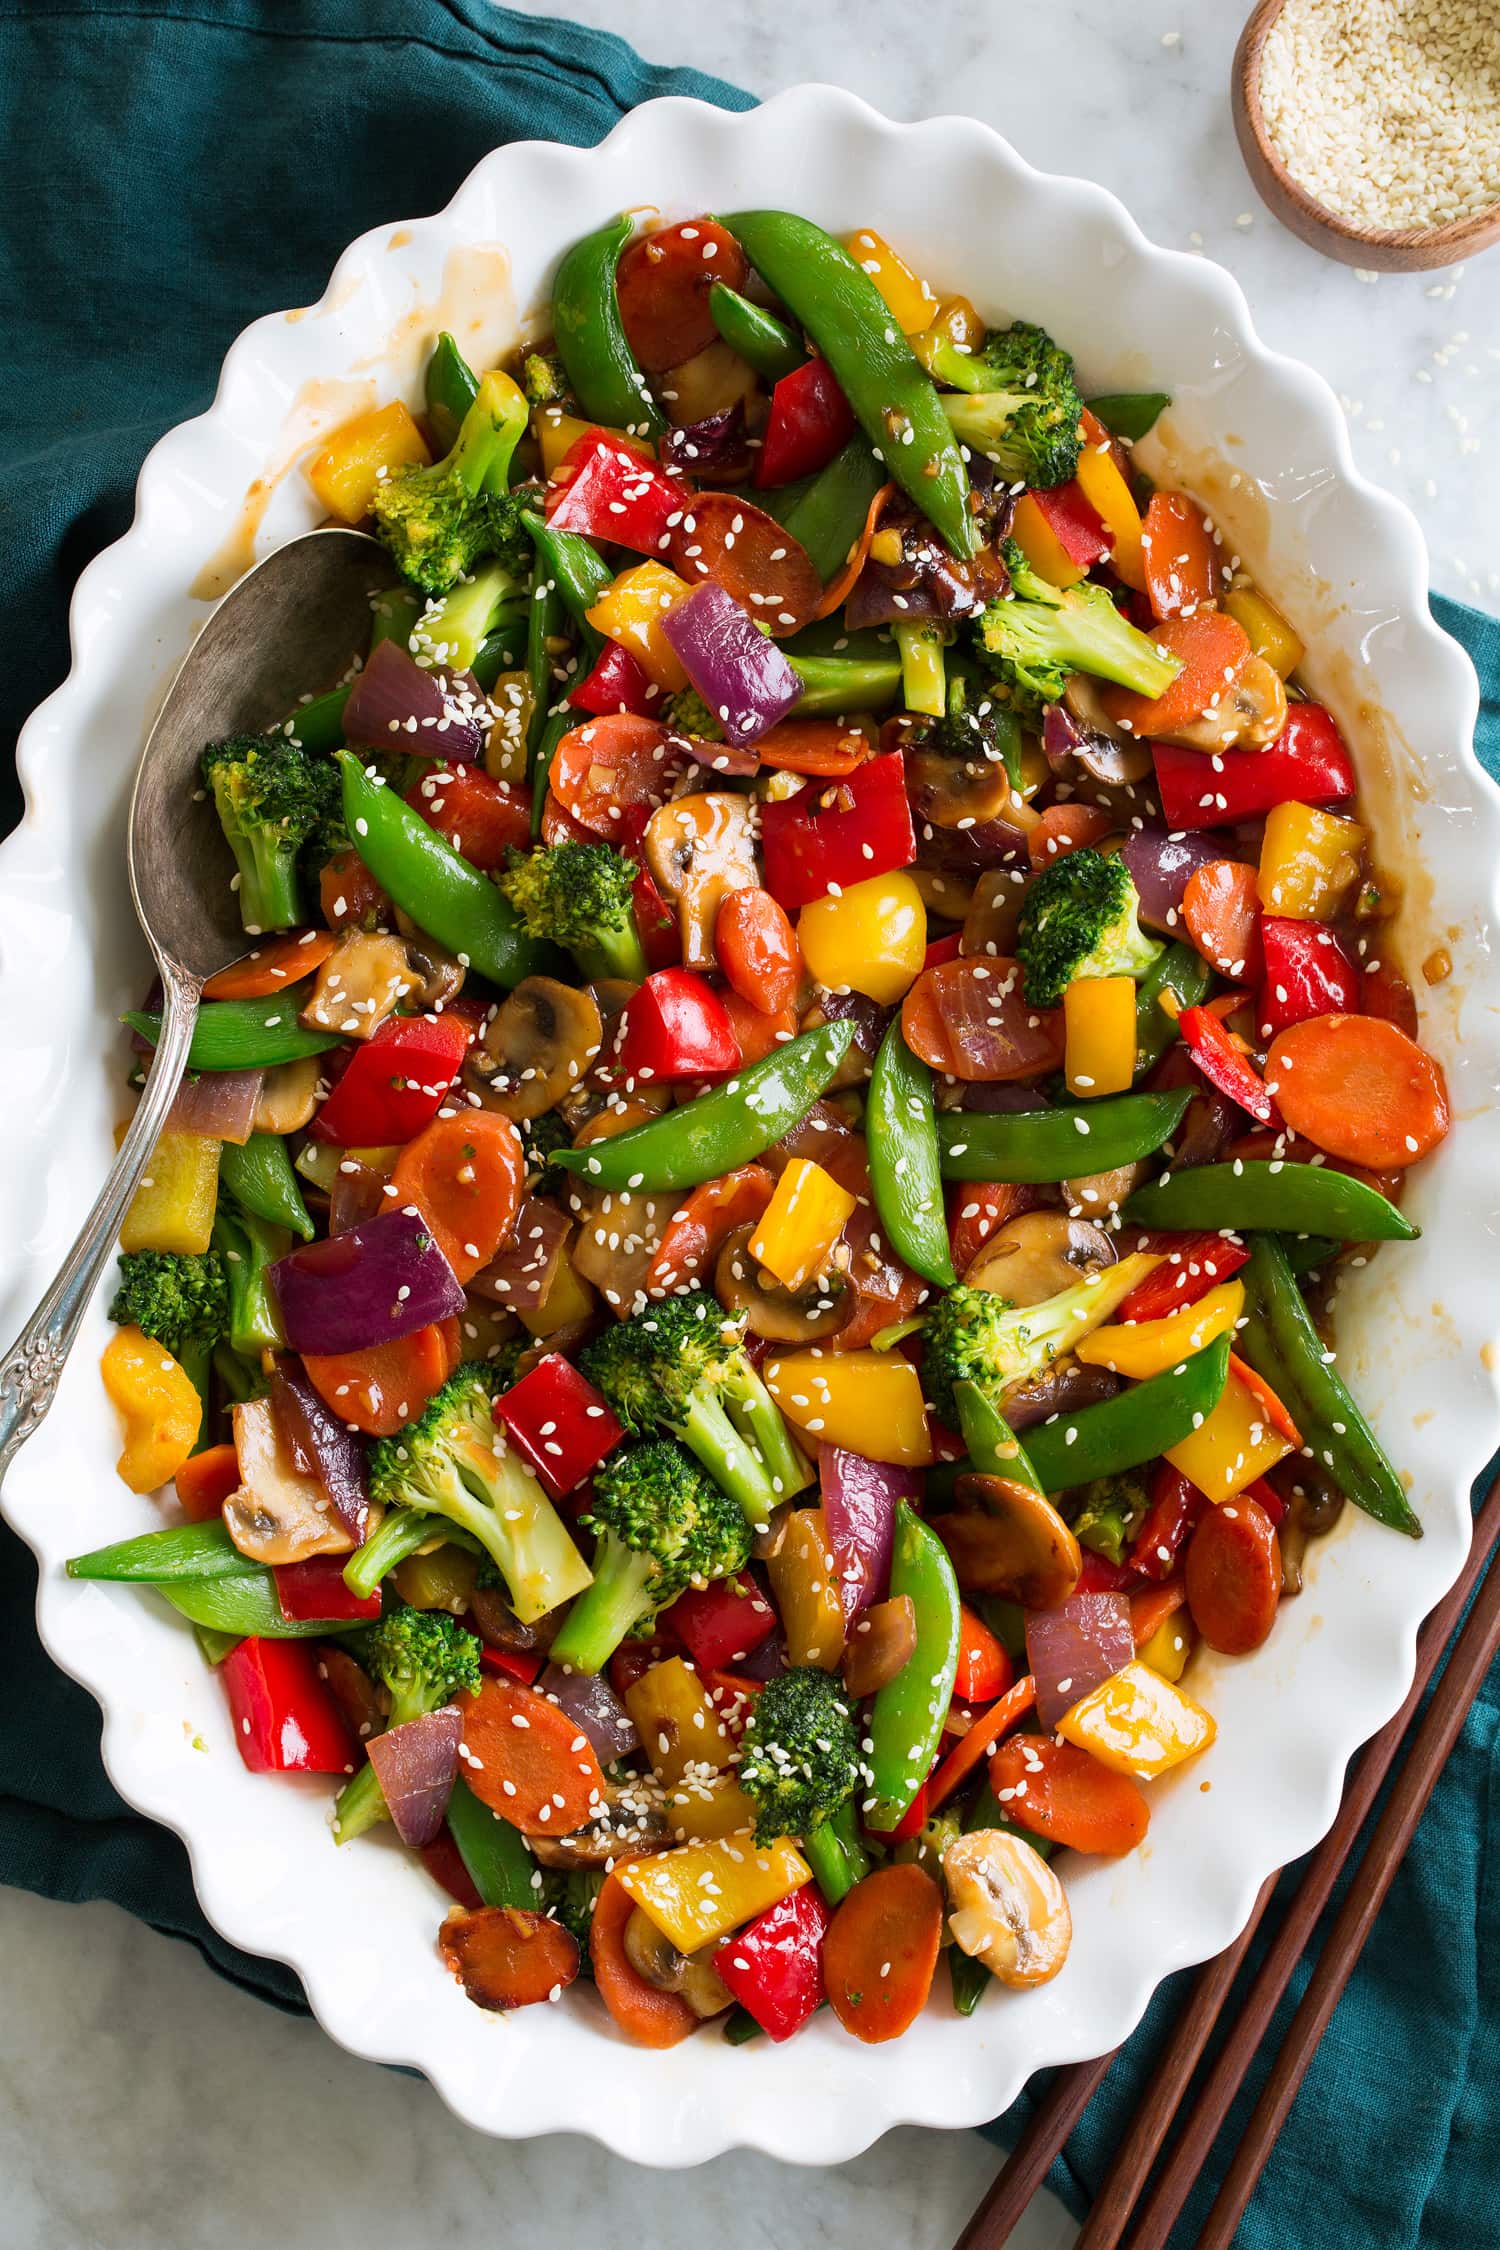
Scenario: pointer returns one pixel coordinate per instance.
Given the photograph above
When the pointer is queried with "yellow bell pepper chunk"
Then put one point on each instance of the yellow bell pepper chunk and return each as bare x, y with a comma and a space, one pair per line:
908, 296
439, 1577
677, 1723
1138, 1723
703, 1891
1266, 629
796, 1233
356, 457
633, 611
1149, 1347
569, 1299
867, 1402
703, 1809
1110, 496
173, 1208
1232, 1446
804, 1579
1309, 861
872, 938
1099, 1035
1039, 543
161, 1408
557, 433
1170, 1646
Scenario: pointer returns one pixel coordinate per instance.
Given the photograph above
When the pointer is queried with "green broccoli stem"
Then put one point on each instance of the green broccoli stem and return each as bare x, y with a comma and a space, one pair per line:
452, 630
923, 687
834, 685
269, 891
360, 1805
613, 953
603, 1613
762, 1425
707, 1429
960, 370
401, 1532
487, 437
240, 1378
835, 1854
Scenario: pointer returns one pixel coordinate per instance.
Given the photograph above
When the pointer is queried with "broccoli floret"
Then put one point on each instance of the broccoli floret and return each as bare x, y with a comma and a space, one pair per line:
540, 1136
662, 1525
454, 1461
423, 1658
1041, 634
579, 895
439, 522
977, 1336
180, 1300
800, 1762
249, 1247
1079, 919
544, 379
682, 1366
1113, 1510
687, 713
273, 797
978, 733
1018, 404
452, 630
569, 1895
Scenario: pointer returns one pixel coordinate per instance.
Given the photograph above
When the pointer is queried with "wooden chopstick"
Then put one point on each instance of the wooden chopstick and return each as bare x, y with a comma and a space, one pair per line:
996, 2216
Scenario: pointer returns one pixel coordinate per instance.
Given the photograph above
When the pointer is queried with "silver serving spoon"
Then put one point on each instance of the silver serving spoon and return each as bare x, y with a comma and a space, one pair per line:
299, 616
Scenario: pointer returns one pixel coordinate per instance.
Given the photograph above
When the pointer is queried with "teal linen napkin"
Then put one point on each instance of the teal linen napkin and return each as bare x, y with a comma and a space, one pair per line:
166, 176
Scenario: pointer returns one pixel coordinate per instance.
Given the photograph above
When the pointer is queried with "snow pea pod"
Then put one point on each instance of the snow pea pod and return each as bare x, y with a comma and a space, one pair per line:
735, 1123
906, 1724
591, 338
158, 1558
319, 725
757, 335
993, 1445
242, 1034
499, 1862
573, 564
835, 1854
1280, 1342
558, 724
894, 398
434, 884
1281, 1197
259, 1176
544, 625
901, 1136
503, 648
1129, 414
827, 514
1103, 1441
1037, 1145
246, 1607
451, 387
1180, 970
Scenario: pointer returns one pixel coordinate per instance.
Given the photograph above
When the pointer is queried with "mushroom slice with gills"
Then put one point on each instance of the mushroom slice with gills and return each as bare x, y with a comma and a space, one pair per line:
781, 1315
1008, 1908
882, 1643
1098, 1195
277, 1515
1249, 714
364, 979
1006, 1539
536, 1048
619, 1234
288, 1096
439, 973
653, 1956
993, 921
1066, 1387
698, 849
631, 1820
947, 791
1103, 752
1038, 1254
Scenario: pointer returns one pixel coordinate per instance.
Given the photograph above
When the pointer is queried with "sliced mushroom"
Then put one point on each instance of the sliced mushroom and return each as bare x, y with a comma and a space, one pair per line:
1104, 753
1314, 1505
657, 1959
699, 848
1094, 1195
630, 1821
994, 915
540, 1043
288, 1096
1006, 1539
1066, 1388
364, 979
498, 1626
1009, 1909
881, 1645
957, 792
945, 892
358, 1698
1038, 1253
439, 974
780, 1315
1247, 716
277, 1516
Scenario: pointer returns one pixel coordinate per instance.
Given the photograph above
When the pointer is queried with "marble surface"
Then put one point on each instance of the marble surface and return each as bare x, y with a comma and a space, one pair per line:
146, 2105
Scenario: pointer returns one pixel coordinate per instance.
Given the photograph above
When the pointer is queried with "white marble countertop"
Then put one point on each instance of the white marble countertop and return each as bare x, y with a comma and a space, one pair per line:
144, 2104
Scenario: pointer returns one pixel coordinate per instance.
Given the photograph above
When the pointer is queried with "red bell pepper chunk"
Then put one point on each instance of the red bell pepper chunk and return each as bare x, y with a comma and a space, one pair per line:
838, 833
984, 1668
616, 683
732, 1696
1195, 1264
943, 949
559, 1424
1307, 764
774, 1965
482, 818
1074, 522
395, 1084
608, 492
1308, 973
661, 940
514, 1663
1175, 1508
720, 1624
913, 1820
810, 420
1101, 1576
444, 1863
677, 1027
315, 1587
1224, 1066
1266, 1496
285, 1720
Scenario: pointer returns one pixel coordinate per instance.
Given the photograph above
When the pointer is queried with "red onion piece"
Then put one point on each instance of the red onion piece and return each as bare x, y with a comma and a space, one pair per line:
1070, 1650
595, 1709
732, 664
521, 1275
1160, 866
396, 705
713, 451
324, 1447
416, 1766
718, 757
357, 1195
765, 1662
377, 1282
219, 1105
859, 1501
871, 1021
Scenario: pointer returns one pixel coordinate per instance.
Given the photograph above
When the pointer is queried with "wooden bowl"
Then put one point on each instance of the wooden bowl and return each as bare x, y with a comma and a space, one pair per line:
1379, 249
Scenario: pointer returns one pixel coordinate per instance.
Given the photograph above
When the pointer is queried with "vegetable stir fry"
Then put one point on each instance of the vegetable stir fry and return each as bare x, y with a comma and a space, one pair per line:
741, 1272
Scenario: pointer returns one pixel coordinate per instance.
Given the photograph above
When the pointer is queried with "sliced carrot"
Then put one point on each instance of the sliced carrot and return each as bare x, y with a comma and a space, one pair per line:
380, 1389
759, 1034
1151, 1606
465, 1175
1265, 1398
272, 965
1221, 907
604, 767
880, 1952
527, 1759
1234, 1576
1382, 993
1359, 1088
1066, 828
647, 2016
205, 1481
350, 896
702, 1224
505, 1957
820, 747
723, 536
838, 590
1057, 1790
980, 1740
984, 1667
1213, 649
1184, 562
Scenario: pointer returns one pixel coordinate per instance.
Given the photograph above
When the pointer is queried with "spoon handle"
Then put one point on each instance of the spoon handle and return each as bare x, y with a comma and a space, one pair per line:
30, 1370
